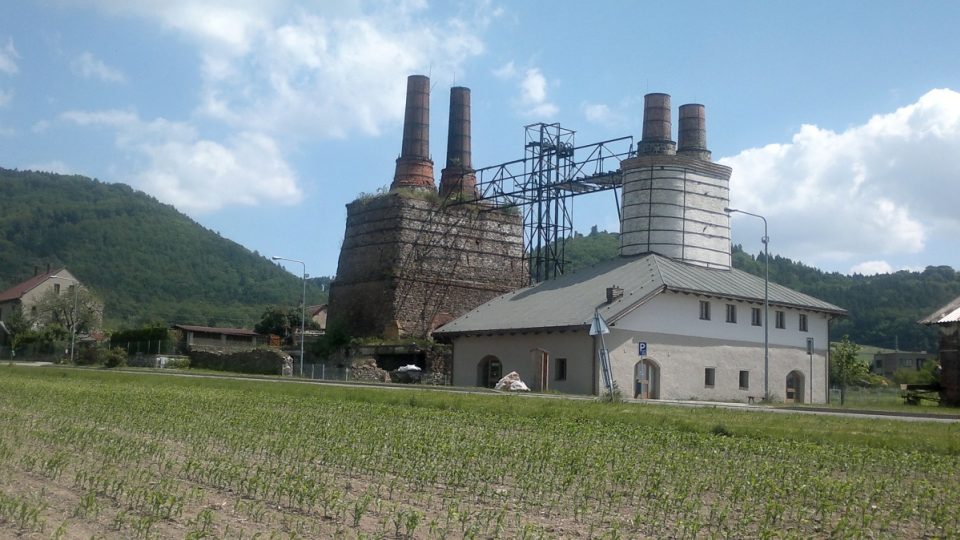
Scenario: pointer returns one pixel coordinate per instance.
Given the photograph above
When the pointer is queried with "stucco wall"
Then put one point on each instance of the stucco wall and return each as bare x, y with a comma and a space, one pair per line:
514, 352
678, 341
63, 278
685, 346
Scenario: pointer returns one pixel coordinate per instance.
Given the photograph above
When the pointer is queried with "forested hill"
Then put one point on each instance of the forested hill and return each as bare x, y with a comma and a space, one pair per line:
149, 262
883, 308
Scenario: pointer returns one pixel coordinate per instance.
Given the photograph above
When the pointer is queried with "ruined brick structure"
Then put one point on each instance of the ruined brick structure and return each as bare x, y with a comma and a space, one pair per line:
412, 259
408, 265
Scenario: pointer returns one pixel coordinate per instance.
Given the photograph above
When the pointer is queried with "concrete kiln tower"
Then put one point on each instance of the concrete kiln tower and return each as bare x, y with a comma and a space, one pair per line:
409, 262
674, 195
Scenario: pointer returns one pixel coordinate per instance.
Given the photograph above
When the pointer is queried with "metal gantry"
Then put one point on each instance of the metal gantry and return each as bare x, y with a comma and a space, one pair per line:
552, 170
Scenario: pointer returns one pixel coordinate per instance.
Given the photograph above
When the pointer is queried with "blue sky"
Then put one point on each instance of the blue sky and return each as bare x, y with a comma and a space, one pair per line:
262, 119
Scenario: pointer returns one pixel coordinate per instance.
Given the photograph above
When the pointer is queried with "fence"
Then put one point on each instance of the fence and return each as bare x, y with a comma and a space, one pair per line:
332, 372
37, 352
134, 348
322, 372
867, 395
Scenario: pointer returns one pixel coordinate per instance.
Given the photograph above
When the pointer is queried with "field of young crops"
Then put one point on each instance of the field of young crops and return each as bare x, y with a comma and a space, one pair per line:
86, 453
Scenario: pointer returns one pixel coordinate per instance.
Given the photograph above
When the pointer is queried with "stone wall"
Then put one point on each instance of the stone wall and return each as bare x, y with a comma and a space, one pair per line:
261, 361
408, 265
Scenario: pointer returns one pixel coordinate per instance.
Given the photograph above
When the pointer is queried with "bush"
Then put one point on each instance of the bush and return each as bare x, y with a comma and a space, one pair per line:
115, 357
177, 363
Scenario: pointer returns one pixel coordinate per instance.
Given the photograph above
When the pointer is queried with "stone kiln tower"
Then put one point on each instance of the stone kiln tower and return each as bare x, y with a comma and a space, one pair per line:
673, 195
411, 262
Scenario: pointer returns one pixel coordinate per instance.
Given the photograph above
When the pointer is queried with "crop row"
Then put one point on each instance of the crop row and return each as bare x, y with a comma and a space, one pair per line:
242, 459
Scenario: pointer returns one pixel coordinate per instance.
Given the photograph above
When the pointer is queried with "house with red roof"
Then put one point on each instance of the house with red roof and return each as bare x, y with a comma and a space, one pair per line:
25, 295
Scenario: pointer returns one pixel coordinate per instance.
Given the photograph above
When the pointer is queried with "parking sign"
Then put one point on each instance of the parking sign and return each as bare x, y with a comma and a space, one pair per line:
643, 348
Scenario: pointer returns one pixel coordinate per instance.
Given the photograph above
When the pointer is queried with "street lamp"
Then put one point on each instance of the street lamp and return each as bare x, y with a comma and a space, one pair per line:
73, 323
303, 304
766, 301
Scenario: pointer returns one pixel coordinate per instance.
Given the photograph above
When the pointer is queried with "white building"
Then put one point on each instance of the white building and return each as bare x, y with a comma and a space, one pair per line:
683, 323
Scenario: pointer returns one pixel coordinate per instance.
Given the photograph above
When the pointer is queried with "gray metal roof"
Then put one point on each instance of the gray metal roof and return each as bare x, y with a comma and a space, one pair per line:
947, 314
570, 300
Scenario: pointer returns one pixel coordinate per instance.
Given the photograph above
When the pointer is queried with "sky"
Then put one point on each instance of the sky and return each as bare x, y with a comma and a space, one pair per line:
262, 119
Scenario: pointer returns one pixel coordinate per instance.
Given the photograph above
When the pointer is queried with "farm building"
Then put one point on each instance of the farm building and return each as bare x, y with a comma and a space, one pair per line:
683, 324
947, 320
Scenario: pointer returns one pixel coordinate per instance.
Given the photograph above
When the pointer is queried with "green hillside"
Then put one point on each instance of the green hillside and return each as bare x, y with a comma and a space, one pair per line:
883, 308
148, 261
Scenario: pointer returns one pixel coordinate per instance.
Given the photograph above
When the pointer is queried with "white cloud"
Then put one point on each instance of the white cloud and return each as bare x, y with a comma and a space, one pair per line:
601, 114
879, 189
506, 71
6, 96
272, 66
871, 268
532, 100
8, 58
88, 66
195, 174
533, 95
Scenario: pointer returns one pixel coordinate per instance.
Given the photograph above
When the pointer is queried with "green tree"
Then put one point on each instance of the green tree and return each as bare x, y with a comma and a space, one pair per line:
845, 366
78, 307
278, 321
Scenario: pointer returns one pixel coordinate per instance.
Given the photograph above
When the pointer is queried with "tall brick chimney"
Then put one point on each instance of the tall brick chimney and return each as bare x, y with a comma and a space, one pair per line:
414, 166
692, 135
657, 126
458, 178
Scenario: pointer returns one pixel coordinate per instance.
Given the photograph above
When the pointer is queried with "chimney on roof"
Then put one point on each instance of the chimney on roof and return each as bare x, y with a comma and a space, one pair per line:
614, 293
457, 178
414, 166
36, 270
48, 268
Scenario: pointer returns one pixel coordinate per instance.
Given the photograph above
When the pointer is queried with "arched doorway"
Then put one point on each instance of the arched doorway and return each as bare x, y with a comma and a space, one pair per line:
795, 386
489, 371
646, 376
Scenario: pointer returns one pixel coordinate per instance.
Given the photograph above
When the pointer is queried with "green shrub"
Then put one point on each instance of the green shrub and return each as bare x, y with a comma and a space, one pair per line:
177, 363
115, 357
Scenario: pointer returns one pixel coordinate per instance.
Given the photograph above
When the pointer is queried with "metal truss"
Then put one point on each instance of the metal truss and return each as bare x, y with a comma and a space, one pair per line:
552, 170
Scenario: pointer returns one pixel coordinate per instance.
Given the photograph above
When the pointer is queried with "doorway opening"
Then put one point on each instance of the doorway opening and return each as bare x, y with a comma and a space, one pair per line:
646, 376
489, 371
795, 386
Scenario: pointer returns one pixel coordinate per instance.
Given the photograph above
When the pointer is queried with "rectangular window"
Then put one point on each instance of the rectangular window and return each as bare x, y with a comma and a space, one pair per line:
803, 322
755, 319
56, 288
709, 377
704, 310
731, 313
560, 373
744, 380
781, 319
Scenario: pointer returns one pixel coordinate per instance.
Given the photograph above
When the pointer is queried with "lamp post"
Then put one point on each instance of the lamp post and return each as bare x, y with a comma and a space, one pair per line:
766, 300
303, 304
73, 323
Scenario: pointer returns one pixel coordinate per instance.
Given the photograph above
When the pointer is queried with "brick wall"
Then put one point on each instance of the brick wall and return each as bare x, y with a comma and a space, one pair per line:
408, 265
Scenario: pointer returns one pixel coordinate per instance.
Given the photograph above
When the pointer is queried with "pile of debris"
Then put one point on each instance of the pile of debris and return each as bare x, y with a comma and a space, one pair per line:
366, 370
